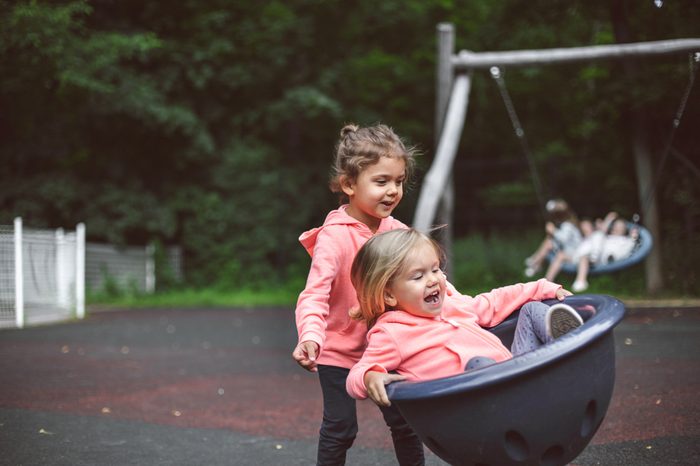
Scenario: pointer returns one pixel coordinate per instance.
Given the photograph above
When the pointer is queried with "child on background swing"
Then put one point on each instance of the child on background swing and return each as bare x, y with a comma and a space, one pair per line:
562, 238
422, 328
604, 241
372, 165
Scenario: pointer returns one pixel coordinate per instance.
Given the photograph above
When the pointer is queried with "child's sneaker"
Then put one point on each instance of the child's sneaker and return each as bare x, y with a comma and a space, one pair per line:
579, 286
561, 319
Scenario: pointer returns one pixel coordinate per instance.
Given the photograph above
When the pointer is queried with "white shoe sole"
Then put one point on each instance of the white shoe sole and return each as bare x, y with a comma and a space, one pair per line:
561, 319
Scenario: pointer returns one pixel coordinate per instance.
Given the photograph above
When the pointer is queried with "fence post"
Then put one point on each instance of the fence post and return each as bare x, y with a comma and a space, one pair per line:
150, 268
61, 273
19, 275
80, 270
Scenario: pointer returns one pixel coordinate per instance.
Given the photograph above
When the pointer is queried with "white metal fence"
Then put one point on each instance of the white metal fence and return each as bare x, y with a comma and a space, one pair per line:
44, 273
126, 269
41, 274
7, 276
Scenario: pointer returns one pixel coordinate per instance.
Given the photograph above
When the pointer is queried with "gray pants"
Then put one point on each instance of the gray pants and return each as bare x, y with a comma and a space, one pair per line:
530, 332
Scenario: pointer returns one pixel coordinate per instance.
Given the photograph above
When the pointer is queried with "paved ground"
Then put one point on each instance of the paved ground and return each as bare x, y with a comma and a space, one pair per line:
218, 387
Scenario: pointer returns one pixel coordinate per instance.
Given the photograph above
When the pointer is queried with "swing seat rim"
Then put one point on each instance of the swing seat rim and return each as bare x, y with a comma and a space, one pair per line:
609, 312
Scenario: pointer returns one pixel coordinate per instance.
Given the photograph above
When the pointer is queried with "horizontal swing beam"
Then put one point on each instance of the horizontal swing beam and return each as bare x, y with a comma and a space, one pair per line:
469, 60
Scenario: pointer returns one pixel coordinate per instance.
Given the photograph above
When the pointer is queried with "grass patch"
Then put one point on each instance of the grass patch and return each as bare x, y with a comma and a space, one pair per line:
479, 262
193, 298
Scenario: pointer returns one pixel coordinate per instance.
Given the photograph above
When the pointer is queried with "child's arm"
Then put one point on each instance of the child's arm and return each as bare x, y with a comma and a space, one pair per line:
609, 219
550, 229
493, 307
381, 356
312, 306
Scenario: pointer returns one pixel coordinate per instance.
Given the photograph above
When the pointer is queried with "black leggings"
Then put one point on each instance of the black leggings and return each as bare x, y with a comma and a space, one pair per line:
339, 426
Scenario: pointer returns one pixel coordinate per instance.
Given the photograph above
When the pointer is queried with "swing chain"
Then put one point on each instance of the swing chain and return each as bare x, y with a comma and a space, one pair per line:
510, 108
693, 68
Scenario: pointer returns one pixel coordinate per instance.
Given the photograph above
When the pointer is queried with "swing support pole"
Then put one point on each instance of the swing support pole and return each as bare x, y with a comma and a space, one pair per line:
445, 78
440, 170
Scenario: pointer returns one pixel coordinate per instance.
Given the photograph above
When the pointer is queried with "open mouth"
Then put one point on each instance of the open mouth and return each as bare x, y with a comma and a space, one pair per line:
433, 298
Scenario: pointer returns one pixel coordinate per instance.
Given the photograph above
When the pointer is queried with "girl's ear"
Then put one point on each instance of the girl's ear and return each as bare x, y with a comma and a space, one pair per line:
389, 298
347, 186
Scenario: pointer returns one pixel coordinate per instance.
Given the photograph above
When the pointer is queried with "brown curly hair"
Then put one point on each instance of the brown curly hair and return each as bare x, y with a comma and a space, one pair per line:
359, 147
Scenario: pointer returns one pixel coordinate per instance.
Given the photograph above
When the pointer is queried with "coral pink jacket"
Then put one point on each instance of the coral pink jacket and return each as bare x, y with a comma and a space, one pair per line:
423, 348
322, 308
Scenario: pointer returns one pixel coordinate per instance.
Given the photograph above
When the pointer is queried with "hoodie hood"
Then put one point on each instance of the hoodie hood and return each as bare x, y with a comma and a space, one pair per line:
339, 216
334, 217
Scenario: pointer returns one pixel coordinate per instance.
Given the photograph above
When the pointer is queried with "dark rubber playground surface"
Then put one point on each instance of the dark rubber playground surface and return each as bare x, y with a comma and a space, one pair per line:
219, 387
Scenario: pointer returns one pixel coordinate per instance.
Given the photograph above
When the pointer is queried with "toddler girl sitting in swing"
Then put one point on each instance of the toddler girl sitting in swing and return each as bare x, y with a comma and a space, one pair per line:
422, 328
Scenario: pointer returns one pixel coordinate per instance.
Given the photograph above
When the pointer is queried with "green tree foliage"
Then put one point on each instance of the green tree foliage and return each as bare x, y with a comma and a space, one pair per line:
211, 124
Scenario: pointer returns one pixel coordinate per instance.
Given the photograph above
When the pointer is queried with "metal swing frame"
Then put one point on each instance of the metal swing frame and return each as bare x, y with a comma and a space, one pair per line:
454, 73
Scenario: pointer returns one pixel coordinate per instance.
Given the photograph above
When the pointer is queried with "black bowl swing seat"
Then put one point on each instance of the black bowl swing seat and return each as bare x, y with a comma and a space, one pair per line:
539, 408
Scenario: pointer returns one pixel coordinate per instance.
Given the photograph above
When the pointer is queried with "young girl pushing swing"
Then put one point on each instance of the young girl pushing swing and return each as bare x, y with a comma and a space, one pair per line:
422, 328
371, 167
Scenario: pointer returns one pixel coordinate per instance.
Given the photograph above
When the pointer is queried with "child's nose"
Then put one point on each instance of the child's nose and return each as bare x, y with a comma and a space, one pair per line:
433, 278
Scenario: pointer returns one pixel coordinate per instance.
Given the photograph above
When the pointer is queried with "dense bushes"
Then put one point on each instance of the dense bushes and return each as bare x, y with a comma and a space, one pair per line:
211, 124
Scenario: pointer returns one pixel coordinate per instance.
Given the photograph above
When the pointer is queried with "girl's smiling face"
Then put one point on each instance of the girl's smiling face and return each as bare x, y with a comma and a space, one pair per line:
419, 288
376, 192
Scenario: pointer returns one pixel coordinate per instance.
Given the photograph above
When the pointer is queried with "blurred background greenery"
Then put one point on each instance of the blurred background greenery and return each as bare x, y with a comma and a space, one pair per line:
210, 125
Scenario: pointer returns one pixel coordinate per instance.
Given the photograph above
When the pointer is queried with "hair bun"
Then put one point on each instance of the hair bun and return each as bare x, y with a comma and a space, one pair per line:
347, 129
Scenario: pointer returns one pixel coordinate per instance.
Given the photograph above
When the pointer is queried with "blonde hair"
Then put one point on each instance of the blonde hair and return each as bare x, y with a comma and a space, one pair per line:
377, 263
360, 147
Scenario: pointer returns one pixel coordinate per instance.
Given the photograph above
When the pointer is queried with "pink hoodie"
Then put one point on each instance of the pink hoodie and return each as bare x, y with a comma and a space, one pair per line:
424, 348
323, 306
